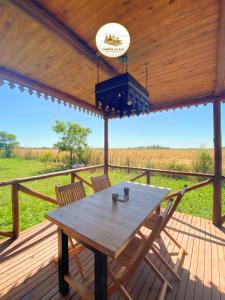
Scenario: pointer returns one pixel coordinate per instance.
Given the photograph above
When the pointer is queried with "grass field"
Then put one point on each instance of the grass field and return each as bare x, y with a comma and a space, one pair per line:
198, 203
180, 159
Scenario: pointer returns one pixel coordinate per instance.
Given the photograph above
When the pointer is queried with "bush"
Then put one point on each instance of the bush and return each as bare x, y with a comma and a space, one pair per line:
203, 162
46, 157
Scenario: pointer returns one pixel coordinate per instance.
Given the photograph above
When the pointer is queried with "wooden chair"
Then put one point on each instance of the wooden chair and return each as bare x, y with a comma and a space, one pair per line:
100, 183
65, 195
133, 255
150, 224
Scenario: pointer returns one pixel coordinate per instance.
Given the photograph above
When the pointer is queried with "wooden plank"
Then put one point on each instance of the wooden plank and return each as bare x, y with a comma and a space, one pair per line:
39, 280
51, 23
194, 174
217, 190
220, 66
38, 195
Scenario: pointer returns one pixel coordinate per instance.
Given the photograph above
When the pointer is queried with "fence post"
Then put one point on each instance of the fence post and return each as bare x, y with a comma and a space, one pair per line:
148, 177
15, 210
72, 176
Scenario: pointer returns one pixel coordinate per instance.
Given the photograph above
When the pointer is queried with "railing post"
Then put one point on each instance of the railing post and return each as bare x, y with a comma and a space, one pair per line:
15, 210
217, 189
72, 177
148, 177
106, 146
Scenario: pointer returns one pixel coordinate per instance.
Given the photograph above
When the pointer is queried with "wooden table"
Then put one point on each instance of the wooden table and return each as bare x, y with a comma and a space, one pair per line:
103, 226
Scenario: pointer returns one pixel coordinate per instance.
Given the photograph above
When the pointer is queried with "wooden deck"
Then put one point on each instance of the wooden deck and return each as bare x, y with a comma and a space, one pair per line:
28, 269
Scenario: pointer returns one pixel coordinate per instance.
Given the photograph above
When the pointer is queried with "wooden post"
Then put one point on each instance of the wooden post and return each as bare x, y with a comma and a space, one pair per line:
106, 146
148, 177
217, 191
72, 177
15, 210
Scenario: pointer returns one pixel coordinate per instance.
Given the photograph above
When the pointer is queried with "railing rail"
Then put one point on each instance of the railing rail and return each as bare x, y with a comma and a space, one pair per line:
169, 172
17, 186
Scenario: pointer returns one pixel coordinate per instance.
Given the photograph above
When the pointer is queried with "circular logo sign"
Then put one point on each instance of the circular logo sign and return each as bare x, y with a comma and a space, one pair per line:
112, 40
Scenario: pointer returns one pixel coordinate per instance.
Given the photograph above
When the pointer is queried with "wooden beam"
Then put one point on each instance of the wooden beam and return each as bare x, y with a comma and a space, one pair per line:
220, 67
106, 146
181, 103
38, 195
22, 80
49, 21
217, 191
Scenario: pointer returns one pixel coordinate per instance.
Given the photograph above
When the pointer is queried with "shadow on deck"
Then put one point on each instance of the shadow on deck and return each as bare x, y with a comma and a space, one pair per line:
29, 269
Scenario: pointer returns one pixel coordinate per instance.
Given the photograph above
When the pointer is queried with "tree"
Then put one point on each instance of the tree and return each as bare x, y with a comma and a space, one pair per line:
73, 139
7, 143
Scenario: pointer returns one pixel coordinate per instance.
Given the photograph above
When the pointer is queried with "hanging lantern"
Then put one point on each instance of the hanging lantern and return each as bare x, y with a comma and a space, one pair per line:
122, 96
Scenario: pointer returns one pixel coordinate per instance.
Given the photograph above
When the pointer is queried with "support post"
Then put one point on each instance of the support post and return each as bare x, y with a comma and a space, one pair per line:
217, 189
72, 177
15, 210
148, 177
106, 146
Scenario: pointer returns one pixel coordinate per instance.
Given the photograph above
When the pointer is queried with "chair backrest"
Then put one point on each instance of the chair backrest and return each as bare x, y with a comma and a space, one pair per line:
69, 193
100, 183
175, 205
146, 244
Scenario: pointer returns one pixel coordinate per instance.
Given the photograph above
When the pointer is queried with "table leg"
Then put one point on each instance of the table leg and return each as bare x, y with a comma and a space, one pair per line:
100, 276
63, 261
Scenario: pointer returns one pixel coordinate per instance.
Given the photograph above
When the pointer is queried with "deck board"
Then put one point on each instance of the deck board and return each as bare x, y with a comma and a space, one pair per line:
28, 268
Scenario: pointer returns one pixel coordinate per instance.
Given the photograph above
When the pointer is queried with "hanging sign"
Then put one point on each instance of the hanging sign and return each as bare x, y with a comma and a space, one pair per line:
112, 40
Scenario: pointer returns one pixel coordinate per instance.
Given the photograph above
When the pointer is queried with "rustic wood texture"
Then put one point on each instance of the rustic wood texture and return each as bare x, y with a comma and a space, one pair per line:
28, 269
100, 183
217, 191
69, 193
106, 226
169, 35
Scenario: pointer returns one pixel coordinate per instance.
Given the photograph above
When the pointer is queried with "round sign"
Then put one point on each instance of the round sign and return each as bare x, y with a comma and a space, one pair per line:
112, 40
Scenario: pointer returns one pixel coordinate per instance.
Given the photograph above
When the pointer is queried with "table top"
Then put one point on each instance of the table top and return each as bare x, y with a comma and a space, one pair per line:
98, 223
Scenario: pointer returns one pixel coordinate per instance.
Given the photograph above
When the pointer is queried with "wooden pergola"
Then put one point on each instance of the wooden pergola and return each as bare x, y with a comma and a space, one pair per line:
49, 47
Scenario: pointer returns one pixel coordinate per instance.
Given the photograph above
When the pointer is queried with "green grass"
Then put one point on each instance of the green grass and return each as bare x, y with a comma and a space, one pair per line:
32, 210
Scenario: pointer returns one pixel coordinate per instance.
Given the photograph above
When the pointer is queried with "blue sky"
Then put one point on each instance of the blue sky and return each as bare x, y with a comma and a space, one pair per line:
30, 118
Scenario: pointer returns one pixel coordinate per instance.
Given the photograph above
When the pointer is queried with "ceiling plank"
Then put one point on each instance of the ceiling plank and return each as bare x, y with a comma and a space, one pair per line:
220, 71
35, 10
22, 80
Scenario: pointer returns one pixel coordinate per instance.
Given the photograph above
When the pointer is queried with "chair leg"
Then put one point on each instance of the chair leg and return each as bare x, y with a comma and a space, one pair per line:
117, 285
76, 258
175, 241
165, 262
158, 274
78, 264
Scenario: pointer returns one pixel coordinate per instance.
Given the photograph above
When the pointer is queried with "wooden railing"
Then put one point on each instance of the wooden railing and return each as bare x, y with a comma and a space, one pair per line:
17, 186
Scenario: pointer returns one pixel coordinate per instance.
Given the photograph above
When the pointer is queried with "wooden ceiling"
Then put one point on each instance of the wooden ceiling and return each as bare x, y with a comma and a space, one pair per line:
50, 46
